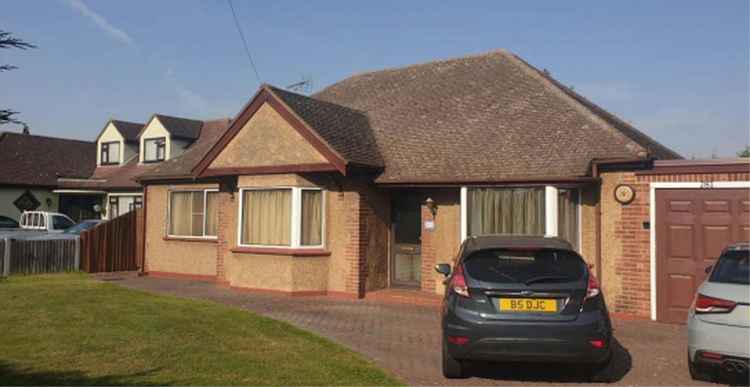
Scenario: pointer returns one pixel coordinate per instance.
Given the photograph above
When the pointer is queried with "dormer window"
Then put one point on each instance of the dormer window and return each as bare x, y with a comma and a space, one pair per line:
154, 149
110, 153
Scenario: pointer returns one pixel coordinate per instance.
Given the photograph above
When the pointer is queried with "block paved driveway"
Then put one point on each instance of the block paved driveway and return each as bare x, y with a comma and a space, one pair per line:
405, 339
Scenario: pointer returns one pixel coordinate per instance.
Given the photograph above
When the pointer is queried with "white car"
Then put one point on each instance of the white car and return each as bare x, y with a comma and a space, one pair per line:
35, 223
719, 319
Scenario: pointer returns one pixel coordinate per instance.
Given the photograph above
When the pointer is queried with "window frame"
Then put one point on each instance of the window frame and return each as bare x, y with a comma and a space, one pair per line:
104, 148
159, 146
550, 209
205, 192
295, 218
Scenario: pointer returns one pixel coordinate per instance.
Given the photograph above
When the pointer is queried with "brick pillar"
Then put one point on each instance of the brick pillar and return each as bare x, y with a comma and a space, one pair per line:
226, 204
428, 252
357, 212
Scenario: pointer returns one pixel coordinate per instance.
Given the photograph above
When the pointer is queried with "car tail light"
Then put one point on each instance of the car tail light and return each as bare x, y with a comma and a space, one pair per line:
592, 288
710, 355
458, 340
706, 304
598, 343
458, 282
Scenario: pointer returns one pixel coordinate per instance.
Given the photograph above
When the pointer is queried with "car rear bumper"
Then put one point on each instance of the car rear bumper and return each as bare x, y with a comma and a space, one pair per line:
728, 340
559, 342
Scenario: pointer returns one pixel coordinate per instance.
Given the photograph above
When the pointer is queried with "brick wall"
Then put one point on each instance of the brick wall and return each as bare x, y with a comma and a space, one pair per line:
626, 254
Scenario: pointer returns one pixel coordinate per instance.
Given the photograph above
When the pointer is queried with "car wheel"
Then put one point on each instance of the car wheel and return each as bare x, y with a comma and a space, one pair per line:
452, 368
698, 373
604, 372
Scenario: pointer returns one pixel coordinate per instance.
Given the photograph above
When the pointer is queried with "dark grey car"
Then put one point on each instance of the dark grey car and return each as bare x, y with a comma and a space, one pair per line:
523, 299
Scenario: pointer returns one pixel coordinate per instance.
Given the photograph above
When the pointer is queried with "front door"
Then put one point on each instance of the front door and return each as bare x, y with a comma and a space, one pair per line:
406, 218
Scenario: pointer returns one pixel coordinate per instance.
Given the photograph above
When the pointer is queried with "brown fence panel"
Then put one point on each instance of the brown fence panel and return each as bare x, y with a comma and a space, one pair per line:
2, 257
42, 256
114, 245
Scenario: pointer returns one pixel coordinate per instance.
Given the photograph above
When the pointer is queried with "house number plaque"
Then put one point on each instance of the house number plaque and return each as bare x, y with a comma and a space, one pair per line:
624, 194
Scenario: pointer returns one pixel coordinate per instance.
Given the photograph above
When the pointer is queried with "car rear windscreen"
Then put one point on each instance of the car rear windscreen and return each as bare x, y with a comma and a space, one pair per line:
519, 267
732, 268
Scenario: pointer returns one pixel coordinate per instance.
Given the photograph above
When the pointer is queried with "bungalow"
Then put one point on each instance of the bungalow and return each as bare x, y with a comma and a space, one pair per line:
372, 181
30, 166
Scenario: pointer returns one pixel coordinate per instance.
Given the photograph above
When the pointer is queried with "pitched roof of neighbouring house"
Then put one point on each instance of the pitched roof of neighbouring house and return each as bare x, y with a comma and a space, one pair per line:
346, 130
128, 130
182, 165
30, 160
179, 127
488, 117
109, 177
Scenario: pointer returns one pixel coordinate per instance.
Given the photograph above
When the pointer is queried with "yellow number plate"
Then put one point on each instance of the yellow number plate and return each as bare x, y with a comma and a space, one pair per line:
544, 305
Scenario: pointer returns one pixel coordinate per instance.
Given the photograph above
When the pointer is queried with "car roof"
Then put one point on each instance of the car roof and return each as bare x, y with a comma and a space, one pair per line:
484, 242
738, 246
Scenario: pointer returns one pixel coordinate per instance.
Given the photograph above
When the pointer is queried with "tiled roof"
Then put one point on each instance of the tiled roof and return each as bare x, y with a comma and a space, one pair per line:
347, 131
181, 127
489, 117
129, 130
109, 177
32, 160
182, 165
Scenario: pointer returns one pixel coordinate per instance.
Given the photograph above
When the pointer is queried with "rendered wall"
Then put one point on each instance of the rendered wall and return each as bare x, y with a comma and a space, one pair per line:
9, 195
267, 139
174, 256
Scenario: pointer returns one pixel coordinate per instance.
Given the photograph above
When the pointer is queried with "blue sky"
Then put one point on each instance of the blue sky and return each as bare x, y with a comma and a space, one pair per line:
678, 70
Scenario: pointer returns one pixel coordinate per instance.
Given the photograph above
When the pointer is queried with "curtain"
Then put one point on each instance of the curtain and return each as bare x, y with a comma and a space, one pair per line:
180, 212
212, 218
114, 152
506, 211
196, 224
567, 215
267, 217
312, 218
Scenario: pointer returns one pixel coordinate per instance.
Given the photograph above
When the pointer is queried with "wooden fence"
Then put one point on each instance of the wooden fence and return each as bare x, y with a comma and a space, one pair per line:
116, 245
38, 256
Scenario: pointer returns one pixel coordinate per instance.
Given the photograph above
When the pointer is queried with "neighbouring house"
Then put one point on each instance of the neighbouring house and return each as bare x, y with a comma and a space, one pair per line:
30, 167
126, 150
369, 183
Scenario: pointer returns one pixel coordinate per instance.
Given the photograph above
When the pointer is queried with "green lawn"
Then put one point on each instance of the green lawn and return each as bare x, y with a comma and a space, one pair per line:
70, 329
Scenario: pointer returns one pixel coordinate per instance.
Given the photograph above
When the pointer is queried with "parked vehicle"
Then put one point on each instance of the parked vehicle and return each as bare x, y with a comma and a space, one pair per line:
6, 222
523, 299
34, 223
719, 318
70, 233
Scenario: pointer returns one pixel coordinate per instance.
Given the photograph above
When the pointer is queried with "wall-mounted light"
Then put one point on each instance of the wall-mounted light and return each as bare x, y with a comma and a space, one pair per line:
431, 205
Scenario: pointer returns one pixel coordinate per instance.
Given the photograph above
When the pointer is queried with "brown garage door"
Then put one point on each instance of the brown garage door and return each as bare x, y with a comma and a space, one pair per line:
692, 227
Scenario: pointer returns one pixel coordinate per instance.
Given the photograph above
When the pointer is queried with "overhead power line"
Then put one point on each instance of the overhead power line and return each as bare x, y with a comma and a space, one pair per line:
244, 42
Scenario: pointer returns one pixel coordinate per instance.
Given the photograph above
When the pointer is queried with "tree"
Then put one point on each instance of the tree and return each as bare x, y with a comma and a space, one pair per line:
745, 152
9, 41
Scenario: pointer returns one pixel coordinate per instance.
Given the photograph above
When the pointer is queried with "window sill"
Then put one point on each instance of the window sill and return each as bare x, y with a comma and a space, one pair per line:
282, 251
186, 239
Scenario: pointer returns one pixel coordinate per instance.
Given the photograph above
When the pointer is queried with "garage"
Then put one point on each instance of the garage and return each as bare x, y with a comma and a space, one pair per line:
693, 223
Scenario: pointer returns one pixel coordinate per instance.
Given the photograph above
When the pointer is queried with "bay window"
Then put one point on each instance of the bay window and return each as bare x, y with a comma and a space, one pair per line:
193, 213
281, 217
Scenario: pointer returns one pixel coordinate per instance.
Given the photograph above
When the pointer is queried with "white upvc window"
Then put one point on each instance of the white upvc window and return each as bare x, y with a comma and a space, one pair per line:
193, 213
540, 210
287, 217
